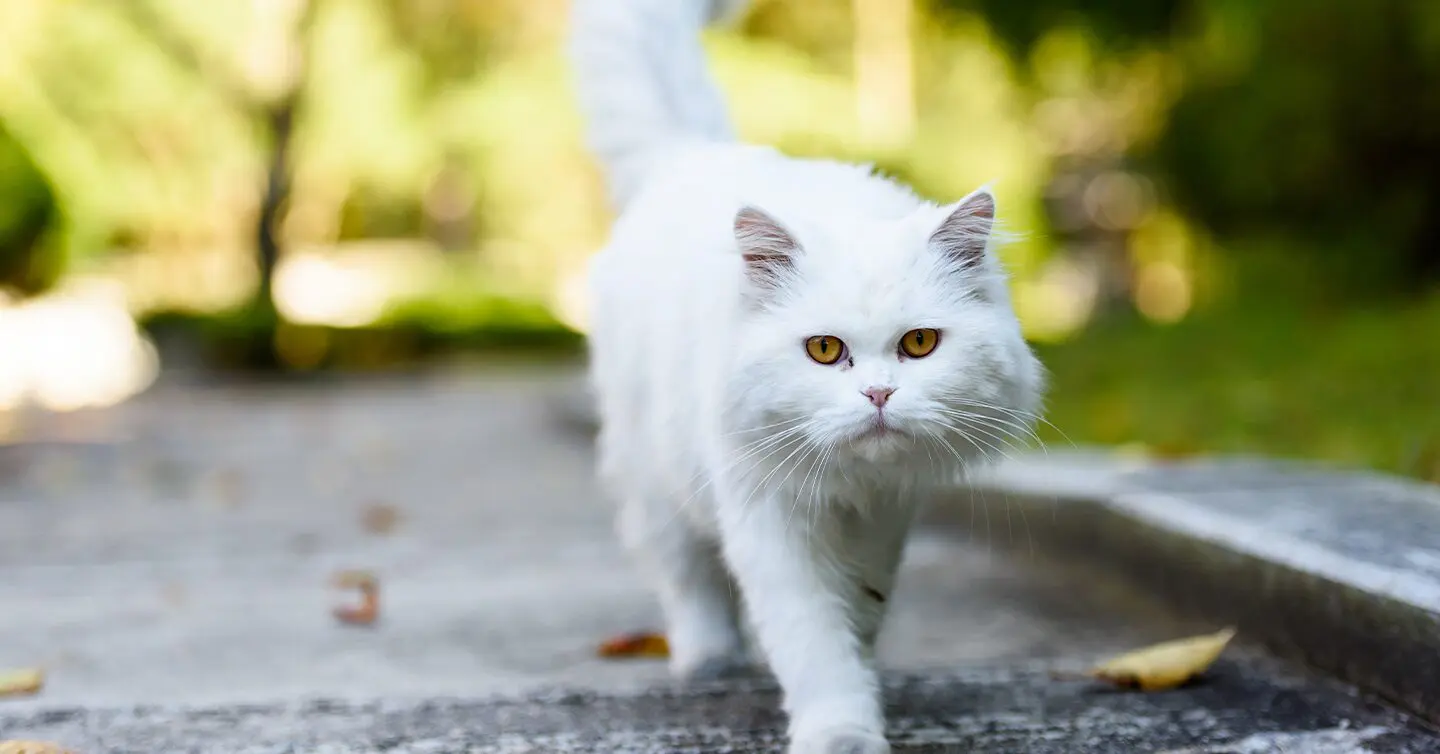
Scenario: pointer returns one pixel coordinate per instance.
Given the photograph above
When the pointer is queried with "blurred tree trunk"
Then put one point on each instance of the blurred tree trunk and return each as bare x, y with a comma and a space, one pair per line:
269, 89
280, 108
280, 121
30, 257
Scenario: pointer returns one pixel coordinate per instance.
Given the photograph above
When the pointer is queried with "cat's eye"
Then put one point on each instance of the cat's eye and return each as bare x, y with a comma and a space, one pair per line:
825, 349
917, 344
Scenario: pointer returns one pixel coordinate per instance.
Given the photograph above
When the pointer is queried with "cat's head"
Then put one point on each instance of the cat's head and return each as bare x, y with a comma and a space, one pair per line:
881, 341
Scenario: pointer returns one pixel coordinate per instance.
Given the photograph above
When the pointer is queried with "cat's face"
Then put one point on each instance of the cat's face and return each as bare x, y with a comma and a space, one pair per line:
894, 341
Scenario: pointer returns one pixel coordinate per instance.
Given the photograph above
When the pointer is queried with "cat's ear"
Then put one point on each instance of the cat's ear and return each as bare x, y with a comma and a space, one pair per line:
768, 248
966, 230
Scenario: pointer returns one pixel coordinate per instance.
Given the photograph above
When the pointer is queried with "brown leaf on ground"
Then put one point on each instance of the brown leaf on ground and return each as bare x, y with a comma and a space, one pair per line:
21, 682
641, 644
380, 519
33, 747
1165, 665
368, 611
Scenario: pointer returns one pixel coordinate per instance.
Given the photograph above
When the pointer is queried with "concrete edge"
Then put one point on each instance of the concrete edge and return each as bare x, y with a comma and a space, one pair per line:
1304, 603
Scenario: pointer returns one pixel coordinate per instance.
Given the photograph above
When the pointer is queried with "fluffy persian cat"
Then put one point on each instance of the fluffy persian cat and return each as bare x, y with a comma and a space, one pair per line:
787, 354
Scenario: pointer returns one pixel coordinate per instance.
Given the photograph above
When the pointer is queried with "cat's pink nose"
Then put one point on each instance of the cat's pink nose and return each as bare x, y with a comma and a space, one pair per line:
877, 394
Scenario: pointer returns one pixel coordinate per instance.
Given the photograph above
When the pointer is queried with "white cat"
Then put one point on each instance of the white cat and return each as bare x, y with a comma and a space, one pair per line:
786, 354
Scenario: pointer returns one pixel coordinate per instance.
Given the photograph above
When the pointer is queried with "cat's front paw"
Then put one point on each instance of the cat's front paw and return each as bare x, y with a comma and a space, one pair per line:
845, 740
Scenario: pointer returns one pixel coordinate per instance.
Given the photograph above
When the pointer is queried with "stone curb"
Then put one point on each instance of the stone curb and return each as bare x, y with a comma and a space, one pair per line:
1339, 570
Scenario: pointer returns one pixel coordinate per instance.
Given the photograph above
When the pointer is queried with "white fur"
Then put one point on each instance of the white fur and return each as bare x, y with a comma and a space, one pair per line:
735, 458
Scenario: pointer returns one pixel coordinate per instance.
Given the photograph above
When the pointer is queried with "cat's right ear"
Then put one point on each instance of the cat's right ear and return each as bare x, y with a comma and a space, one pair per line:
965, 232
768, 248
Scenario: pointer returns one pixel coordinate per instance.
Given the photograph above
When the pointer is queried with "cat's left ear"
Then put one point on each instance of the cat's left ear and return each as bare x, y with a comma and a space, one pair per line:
966, 230
768, 248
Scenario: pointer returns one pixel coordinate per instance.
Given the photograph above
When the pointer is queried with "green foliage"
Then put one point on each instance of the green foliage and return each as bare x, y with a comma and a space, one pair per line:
30, 257
1115, 24
452, 40
1319, 121
1315, 121
469, 319
1352, 388
253, 338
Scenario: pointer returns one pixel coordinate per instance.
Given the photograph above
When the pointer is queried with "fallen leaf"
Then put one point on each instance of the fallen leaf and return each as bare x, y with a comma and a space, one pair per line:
380, 519
33, 747
21, 682
1165, 665
368, 610
642, 644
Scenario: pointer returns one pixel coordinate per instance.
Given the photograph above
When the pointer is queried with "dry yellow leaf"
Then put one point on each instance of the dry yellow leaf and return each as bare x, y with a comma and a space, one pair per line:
641, 644
21, 682
1165, 665
32, 747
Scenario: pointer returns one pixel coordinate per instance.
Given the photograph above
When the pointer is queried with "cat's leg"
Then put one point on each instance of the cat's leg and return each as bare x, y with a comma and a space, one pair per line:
875, 542
698, 598
797, 590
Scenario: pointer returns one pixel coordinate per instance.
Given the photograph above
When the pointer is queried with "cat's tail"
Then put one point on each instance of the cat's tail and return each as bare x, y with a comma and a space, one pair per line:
643, 84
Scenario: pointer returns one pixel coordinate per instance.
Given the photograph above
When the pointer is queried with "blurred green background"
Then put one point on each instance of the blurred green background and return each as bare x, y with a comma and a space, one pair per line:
1228, 211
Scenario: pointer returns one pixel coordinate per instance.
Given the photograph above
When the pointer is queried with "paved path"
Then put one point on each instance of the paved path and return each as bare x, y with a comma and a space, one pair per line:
176, 552
182, 555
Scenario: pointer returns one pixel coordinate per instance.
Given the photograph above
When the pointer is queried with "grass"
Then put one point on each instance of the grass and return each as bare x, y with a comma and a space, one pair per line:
413, 332
1358, 387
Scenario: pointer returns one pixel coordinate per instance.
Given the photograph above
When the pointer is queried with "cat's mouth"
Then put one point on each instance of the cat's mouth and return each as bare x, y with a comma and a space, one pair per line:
879, 428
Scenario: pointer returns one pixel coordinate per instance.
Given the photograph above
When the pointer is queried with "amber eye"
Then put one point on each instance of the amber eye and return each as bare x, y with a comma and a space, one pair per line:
825, 349
917, 344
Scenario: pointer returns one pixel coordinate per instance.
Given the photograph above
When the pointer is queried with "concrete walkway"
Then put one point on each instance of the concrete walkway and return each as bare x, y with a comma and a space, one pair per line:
182, 554
176, 552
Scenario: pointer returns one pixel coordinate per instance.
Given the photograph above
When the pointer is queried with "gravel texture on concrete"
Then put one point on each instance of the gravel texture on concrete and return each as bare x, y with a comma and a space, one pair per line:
1237, 710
